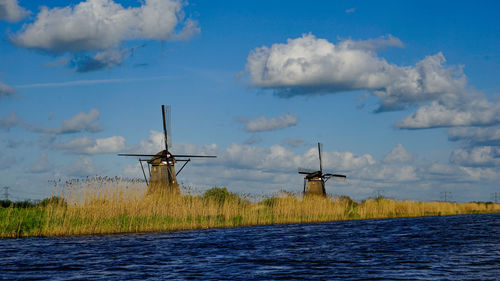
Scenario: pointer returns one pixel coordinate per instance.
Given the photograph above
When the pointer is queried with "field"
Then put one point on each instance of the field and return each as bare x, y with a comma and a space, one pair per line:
113, 205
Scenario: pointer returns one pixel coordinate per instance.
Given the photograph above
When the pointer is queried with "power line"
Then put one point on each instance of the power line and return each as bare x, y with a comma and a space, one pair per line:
6, 193
494, 197
446, 195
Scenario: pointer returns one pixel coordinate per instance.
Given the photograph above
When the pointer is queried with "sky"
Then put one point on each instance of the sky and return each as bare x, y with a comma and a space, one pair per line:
403, 95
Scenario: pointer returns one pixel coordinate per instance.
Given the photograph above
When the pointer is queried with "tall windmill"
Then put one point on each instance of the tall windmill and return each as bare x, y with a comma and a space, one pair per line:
161, 166
314, 180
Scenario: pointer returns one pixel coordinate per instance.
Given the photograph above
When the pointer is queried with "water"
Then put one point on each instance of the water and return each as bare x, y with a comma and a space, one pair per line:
465, 247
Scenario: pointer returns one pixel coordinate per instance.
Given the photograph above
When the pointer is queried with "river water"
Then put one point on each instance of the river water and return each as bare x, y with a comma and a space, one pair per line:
464, 247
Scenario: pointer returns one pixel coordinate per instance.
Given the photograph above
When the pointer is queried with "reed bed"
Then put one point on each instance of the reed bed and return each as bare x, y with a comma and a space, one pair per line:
112, 205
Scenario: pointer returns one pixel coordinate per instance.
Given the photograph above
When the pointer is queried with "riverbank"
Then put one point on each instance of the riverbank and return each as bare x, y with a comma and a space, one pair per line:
126, 209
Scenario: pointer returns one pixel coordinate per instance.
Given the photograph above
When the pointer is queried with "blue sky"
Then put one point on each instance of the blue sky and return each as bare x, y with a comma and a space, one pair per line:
404, 95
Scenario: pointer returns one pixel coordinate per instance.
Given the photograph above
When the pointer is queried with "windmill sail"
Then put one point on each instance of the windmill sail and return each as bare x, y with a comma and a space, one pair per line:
161, 166
167, 128
314, 180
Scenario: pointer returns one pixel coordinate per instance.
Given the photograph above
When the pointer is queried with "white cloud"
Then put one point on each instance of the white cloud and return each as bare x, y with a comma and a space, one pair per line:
42, 165
277, 158
81, 122
481, 173
86, 145
441, 169
398, 155
103, 24
261, 123
476, 156
78, 123
476, 135
11, 11
82, 167
308, 65
6, 90
132, 170
151, 145
389, 173
465, 112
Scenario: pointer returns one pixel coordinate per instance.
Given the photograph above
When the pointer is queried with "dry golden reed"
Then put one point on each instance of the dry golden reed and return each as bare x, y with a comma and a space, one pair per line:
113, 205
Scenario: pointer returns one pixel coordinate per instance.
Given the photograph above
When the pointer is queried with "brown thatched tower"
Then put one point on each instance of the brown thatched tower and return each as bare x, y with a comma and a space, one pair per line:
162, 176
315, 186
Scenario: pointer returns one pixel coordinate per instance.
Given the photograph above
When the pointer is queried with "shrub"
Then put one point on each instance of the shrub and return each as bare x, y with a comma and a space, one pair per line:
219, 195
54, 201
18, 204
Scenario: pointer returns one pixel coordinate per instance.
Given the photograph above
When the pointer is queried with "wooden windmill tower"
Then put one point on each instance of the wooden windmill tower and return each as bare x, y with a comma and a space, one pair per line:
161, 166
314, 180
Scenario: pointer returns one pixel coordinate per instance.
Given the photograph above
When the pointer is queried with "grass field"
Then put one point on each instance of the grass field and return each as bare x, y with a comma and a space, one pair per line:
112, 205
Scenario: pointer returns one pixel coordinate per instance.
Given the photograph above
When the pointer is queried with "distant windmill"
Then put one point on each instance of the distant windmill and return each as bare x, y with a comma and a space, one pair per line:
161, 166
314, 180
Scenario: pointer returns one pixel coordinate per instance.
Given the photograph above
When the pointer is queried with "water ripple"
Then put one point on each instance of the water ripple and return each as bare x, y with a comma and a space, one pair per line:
465, 247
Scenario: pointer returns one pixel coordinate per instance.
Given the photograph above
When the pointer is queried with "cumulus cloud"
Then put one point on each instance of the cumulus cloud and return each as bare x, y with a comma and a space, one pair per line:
261, 123
80, 122
476, 156
42, 165
278, 158
476, 135
82, 167
309, 65
89, 146
470, 110
398, 155
103, 24
6, 90
11, 11
153, 144
391, 173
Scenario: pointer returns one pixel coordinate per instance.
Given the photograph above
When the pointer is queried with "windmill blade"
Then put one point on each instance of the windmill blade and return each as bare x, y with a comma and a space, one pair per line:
335, 175
131, 154
305, 181
165, 111
320, 146
328, 176
168, 116
198, 156
306, 171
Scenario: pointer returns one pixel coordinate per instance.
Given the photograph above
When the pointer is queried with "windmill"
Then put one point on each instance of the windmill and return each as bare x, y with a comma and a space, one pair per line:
161, 166
314, 181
